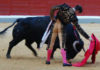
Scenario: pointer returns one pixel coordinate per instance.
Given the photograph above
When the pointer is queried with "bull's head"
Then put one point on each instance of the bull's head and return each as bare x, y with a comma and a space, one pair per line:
94, 47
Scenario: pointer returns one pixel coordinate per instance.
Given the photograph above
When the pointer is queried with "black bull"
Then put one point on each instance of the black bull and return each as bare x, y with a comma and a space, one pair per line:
32, 29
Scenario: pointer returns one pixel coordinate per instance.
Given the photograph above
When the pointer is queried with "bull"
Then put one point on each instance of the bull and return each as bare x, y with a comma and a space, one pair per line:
31, 30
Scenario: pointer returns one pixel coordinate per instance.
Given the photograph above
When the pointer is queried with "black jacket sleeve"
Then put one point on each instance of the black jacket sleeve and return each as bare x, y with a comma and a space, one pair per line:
78, 27
82, 32
53, 9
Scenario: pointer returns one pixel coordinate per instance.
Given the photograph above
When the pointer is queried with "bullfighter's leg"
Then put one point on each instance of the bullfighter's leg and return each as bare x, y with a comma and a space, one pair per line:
28, 44
62, 39
52, 41
56, 46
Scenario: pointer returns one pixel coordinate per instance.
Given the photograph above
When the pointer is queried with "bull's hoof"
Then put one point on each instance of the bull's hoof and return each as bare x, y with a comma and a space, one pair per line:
8, 56
47, 62
65, 64
35, 55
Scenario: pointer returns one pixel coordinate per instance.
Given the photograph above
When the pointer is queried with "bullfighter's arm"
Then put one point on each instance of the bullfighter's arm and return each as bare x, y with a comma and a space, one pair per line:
53, 9
74, 20
78, 27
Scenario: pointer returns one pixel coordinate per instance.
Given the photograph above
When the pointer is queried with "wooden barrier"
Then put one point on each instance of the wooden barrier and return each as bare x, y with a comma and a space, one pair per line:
42, 7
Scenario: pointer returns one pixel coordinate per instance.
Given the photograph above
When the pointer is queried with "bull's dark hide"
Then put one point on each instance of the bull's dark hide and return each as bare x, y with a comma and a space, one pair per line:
31, 30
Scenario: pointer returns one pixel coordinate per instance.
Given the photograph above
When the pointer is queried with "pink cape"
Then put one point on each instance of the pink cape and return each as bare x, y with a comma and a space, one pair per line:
94, 47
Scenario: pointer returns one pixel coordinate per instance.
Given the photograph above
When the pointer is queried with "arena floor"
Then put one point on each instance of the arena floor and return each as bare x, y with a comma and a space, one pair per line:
23, 59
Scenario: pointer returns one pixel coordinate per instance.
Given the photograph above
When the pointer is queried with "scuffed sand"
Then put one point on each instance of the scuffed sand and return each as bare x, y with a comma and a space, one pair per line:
23, 58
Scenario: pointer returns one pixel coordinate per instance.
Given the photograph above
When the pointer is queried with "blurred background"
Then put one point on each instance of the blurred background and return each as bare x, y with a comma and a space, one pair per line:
12, 9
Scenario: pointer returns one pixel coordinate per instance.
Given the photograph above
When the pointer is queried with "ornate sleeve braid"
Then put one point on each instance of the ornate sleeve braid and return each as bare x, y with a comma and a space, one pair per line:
53, 9
81, 30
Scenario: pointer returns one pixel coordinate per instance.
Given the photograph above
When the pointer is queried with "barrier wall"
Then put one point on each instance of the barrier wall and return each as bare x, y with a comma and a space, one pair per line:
42, 7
